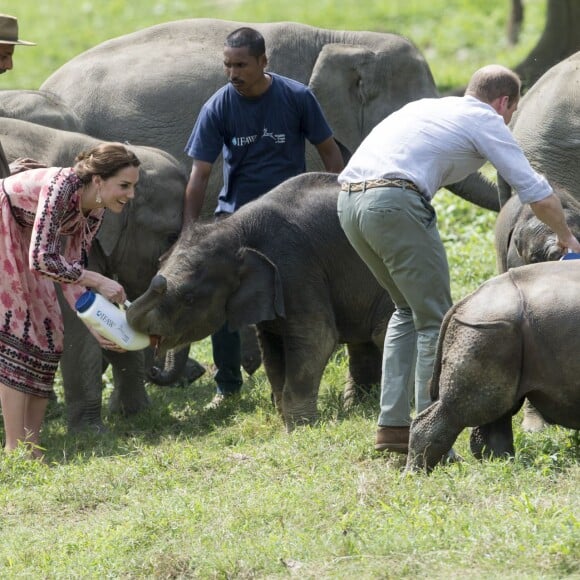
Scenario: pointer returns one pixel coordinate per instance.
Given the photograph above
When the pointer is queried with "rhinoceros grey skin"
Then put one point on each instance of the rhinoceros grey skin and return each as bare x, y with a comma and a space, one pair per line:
358, 77
521, 238
547, 127
284, 264
515, 337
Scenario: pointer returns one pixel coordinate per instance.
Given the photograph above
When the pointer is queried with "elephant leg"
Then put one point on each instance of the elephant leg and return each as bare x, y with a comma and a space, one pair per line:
431, 437
495, 439
251, 355
129, 395
533, 421
81, 368
364, 366
305, 361
274, 364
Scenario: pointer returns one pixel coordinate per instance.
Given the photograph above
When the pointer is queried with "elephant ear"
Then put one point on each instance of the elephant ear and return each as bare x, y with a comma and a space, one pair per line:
521, 235
535, 242
259, 296
338, 81
110, 230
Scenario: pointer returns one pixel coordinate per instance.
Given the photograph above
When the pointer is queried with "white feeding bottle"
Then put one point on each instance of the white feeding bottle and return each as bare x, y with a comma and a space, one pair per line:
109, 321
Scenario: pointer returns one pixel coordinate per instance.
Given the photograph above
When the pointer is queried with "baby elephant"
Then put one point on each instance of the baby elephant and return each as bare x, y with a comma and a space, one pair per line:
516, 336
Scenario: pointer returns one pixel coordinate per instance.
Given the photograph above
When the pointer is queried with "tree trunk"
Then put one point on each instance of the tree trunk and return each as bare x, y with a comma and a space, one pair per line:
515, 21
560, 39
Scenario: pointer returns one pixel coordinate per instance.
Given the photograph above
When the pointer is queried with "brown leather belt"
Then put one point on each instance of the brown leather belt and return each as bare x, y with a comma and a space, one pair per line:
374, 183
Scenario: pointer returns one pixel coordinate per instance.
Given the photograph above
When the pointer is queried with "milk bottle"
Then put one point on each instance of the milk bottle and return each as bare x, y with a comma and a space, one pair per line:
109, 321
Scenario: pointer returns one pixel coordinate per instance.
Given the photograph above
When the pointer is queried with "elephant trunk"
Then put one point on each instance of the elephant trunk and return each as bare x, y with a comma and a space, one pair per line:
172, 370
140, 308
477, 189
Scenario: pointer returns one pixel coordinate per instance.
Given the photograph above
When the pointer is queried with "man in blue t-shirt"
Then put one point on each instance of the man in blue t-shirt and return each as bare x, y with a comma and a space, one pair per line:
259, 122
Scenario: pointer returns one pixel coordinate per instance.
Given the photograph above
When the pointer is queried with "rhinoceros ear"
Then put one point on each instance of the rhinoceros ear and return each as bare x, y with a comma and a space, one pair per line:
259, 296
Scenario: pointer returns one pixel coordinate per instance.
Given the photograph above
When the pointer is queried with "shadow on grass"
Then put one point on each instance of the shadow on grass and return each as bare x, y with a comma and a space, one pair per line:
174, 412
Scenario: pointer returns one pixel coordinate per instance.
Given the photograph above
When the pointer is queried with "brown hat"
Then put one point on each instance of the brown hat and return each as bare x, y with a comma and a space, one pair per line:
9, 31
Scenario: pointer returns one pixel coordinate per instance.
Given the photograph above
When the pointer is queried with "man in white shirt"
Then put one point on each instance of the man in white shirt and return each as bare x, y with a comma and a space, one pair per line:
385, 211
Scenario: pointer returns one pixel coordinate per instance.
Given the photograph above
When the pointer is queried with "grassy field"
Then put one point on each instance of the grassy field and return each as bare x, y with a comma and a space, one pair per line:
179, 492
457, 36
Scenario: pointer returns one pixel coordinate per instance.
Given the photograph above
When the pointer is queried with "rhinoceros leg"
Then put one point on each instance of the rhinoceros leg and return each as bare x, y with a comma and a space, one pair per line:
432, 435
495, 439
533, 421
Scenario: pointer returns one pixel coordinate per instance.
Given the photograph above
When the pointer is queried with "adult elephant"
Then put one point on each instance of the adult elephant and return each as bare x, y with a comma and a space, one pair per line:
358, 77
284, 264
39, 107
547, 126
126, 248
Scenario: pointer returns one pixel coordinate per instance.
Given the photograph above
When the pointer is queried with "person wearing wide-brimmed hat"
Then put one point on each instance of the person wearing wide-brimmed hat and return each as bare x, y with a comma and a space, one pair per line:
8, 40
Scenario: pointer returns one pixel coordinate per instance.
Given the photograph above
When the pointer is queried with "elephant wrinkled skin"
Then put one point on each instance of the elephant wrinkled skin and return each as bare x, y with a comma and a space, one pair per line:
521, 238
284, 264
39, 107
515, 337
127, 248
547, 127
358, 77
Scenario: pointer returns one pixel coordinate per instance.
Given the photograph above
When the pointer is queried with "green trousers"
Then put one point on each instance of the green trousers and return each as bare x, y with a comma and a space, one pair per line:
394, 230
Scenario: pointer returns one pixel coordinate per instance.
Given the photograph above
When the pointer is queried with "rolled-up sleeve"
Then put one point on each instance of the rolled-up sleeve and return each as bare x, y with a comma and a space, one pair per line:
495, 142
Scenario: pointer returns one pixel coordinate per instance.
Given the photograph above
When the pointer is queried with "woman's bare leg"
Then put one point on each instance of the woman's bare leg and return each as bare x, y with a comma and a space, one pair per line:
13, 409
35, 410
23, 415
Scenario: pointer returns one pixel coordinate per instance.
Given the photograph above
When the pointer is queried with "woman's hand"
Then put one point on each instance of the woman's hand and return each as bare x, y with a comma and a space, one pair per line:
104, 342
108, 345
112, 291
109, 289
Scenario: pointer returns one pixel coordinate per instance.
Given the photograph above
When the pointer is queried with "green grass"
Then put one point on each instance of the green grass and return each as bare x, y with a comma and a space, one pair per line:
457, 36
179, 492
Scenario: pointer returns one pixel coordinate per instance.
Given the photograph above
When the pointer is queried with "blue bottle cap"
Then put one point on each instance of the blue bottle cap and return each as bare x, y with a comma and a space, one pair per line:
571, 256
85, 301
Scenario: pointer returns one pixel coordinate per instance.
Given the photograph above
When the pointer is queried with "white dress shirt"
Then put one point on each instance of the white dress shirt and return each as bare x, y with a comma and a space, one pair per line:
437, 142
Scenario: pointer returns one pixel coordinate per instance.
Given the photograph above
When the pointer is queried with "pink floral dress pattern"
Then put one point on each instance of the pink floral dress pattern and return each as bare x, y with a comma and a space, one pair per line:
44, 238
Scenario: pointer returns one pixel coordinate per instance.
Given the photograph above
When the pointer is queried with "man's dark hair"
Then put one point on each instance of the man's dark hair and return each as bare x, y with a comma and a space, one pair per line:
247, 37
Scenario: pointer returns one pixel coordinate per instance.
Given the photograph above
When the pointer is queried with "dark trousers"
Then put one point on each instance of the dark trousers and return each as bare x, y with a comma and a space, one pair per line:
227, 357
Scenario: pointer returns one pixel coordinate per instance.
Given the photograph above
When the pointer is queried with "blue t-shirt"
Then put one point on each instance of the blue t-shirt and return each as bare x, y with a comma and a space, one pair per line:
262, 139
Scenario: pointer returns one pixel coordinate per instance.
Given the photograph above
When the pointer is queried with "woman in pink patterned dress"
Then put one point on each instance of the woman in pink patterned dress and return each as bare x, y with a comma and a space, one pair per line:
48, 218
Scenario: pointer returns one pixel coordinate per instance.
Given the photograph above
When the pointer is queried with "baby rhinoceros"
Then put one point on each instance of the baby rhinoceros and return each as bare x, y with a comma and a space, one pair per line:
517, 336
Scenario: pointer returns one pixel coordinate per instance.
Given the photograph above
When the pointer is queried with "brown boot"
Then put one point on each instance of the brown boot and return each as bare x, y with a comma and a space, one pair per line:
392, 439
533, 421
